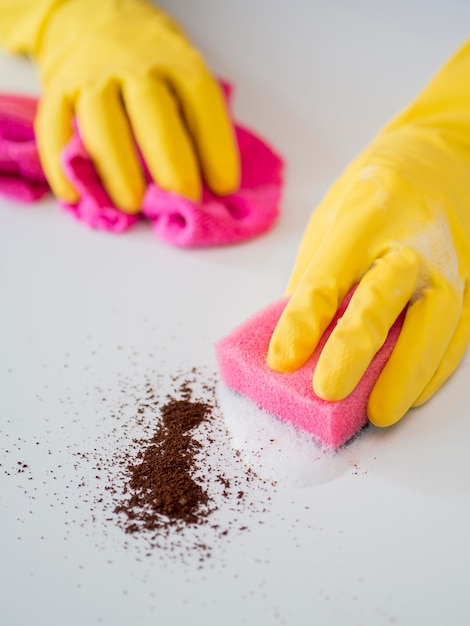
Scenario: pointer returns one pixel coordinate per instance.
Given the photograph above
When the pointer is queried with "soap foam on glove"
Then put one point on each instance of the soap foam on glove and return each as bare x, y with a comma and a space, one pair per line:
216, 220
241, 357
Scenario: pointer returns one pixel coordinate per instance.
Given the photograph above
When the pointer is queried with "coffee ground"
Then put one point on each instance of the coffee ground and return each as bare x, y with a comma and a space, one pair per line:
178, 491
151, 457
161, 488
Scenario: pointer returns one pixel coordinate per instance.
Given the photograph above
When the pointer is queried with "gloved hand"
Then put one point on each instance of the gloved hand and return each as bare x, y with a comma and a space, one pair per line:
397, 225
126, 71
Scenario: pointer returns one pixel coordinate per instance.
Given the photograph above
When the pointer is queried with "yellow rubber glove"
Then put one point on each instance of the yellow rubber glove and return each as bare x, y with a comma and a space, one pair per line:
129, 75
397, 225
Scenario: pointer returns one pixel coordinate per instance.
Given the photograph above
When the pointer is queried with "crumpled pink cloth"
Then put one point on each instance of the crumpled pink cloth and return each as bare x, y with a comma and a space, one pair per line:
216, 220
21, 176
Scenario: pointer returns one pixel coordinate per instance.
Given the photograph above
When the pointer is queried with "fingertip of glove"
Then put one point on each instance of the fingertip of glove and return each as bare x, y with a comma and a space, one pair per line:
424, 396
226, 177
64, 191
191, 189
130, 209
69, 197
127, 197
326, 389
273, 361
383, 414
225, 185
277, 360
129, 203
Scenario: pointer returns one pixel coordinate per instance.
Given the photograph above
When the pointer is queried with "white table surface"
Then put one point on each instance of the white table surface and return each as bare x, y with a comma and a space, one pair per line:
385, 539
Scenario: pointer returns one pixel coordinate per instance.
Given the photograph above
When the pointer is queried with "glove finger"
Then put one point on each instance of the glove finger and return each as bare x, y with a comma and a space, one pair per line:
380, 297
429, 326
53, 130
212, 132
454, 354
330, 276
345, 253
162, 136
108, 139
321, 219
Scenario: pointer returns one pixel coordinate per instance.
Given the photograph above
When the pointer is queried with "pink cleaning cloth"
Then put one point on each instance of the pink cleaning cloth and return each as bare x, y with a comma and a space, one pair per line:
21, 176
216, 220
241, 357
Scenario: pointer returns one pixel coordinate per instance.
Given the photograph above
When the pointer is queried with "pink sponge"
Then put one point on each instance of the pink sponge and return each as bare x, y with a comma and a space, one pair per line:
241, 356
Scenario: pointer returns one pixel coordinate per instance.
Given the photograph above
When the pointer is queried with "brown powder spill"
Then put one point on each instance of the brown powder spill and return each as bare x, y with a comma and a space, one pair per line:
161, 483
179, 491
142, 463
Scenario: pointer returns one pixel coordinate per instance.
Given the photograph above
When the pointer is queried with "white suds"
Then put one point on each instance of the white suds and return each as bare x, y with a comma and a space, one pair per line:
275, 450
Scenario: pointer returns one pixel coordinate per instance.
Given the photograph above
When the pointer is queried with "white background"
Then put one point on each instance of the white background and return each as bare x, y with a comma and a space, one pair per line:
384, 540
